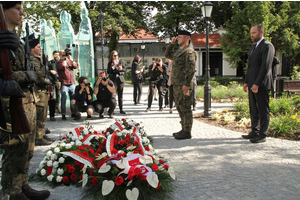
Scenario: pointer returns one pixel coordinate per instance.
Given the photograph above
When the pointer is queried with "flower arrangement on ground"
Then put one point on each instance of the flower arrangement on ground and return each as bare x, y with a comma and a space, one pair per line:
118, 163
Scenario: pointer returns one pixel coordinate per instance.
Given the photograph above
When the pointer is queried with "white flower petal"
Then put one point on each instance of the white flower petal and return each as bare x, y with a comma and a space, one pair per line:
132, 194
152, 179
107, 187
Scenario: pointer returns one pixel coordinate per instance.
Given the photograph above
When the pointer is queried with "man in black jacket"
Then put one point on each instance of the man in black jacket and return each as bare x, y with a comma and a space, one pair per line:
258, 82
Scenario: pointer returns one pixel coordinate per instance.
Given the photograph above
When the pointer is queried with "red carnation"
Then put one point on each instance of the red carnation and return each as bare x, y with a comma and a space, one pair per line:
127, 136
91, 172
65, 179
94, 180
95, 132
127, 140
70, 169
135, 143
73, 177
91, 151
136, 152
123, 119
166, 167
147, 148
119, 180
81, 148
77, 162
121, 142
128, 145
114, 151
154, 167
161, 161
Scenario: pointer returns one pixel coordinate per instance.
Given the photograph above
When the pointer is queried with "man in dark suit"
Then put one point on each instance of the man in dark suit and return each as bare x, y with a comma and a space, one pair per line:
258, 82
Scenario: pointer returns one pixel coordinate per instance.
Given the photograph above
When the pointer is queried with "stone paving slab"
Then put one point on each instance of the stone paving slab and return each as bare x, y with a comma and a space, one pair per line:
215, 164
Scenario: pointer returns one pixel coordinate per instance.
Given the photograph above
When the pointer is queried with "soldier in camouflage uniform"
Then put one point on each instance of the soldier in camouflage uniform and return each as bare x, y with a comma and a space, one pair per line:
18, 148
183, 71
42, 91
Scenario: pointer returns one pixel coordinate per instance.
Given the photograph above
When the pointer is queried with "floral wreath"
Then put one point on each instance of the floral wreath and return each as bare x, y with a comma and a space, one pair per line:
119, 160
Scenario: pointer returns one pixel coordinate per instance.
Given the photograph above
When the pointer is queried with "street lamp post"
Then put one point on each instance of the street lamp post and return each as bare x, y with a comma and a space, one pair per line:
143, 46
101, 17
206, 11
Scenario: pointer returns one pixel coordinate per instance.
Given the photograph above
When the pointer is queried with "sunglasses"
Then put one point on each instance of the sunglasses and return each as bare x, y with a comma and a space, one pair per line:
102, 73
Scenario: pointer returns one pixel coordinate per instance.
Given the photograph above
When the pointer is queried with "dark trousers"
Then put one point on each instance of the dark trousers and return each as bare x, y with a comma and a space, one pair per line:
78, 107
167, 96
100, 105
259, 111
160, 87
171, 96
119, 90
137, 91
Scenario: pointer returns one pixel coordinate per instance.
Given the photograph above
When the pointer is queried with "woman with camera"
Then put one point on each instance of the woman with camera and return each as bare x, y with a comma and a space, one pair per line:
83, 101
116, 71
137, 79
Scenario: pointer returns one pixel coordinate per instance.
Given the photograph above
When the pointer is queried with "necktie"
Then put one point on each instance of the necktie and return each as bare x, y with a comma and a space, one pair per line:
253, 49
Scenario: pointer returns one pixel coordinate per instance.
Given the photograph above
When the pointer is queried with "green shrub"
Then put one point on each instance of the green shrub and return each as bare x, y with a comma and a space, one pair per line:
284, 125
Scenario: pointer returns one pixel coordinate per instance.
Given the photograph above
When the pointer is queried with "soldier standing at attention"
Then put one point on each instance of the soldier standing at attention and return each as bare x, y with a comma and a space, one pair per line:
42, 91
19, 148
183, 70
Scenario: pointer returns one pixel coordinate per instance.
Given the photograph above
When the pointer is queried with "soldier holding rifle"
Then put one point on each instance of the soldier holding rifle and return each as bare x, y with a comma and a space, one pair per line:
18, 147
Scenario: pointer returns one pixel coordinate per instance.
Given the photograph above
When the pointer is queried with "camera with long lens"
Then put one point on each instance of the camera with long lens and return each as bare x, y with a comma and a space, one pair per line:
87, 84
69, 49
103, 78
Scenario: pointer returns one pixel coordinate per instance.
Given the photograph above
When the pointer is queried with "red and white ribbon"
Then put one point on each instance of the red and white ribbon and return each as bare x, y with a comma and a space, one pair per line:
80, 157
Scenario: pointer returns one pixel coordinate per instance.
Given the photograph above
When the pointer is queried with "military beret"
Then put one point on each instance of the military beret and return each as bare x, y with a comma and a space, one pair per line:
33, 43
184, 32
9, 4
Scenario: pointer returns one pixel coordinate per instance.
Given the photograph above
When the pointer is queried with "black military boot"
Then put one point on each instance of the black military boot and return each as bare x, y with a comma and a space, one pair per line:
43, 142
183, 135
34, 194
48, 138
176, 133
20, 196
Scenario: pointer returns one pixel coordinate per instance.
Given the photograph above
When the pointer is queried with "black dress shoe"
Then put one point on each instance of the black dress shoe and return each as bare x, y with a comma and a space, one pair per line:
122, 112
250, 135
64, 117
258, 140
183, 135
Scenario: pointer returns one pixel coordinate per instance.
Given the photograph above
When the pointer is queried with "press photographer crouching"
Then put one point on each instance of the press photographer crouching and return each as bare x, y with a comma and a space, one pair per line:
83, 101
106, 95
157, 74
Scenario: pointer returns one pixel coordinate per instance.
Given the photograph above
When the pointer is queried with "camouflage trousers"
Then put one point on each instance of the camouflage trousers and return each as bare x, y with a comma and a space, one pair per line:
183, 105
18, 153
41, 113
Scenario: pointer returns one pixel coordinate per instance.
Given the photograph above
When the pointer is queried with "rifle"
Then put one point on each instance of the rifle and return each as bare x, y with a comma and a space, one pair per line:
19, 121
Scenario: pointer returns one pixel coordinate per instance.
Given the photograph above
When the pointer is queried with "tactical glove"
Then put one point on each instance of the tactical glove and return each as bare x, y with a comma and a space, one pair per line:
31, 77
9, 40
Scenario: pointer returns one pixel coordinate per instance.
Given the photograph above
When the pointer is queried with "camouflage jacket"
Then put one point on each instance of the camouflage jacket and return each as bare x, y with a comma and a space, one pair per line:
19, 75
183, 68
40, 70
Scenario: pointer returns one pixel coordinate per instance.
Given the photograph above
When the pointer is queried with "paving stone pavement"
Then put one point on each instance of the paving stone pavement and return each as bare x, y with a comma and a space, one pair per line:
215, 164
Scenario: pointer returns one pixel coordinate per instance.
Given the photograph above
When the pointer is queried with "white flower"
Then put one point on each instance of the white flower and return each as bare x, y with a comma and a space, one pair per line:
97, 137
55, 164
129, 153
56, 150
72, 143
50, 177
58, 179
60, 171
73, 138
78, 143
53, 157
80, 137
144, 140
49, 153
43, 172
68, 146
49, 163
61, 160
121, 151
62, 144
85, 131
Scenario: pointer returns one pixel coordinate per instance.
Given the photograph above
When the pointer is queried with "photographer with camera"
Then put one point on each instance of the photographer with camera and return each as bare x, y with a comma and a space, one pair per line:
157, 79
65, 67
83, 101
106, 95
116, 71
